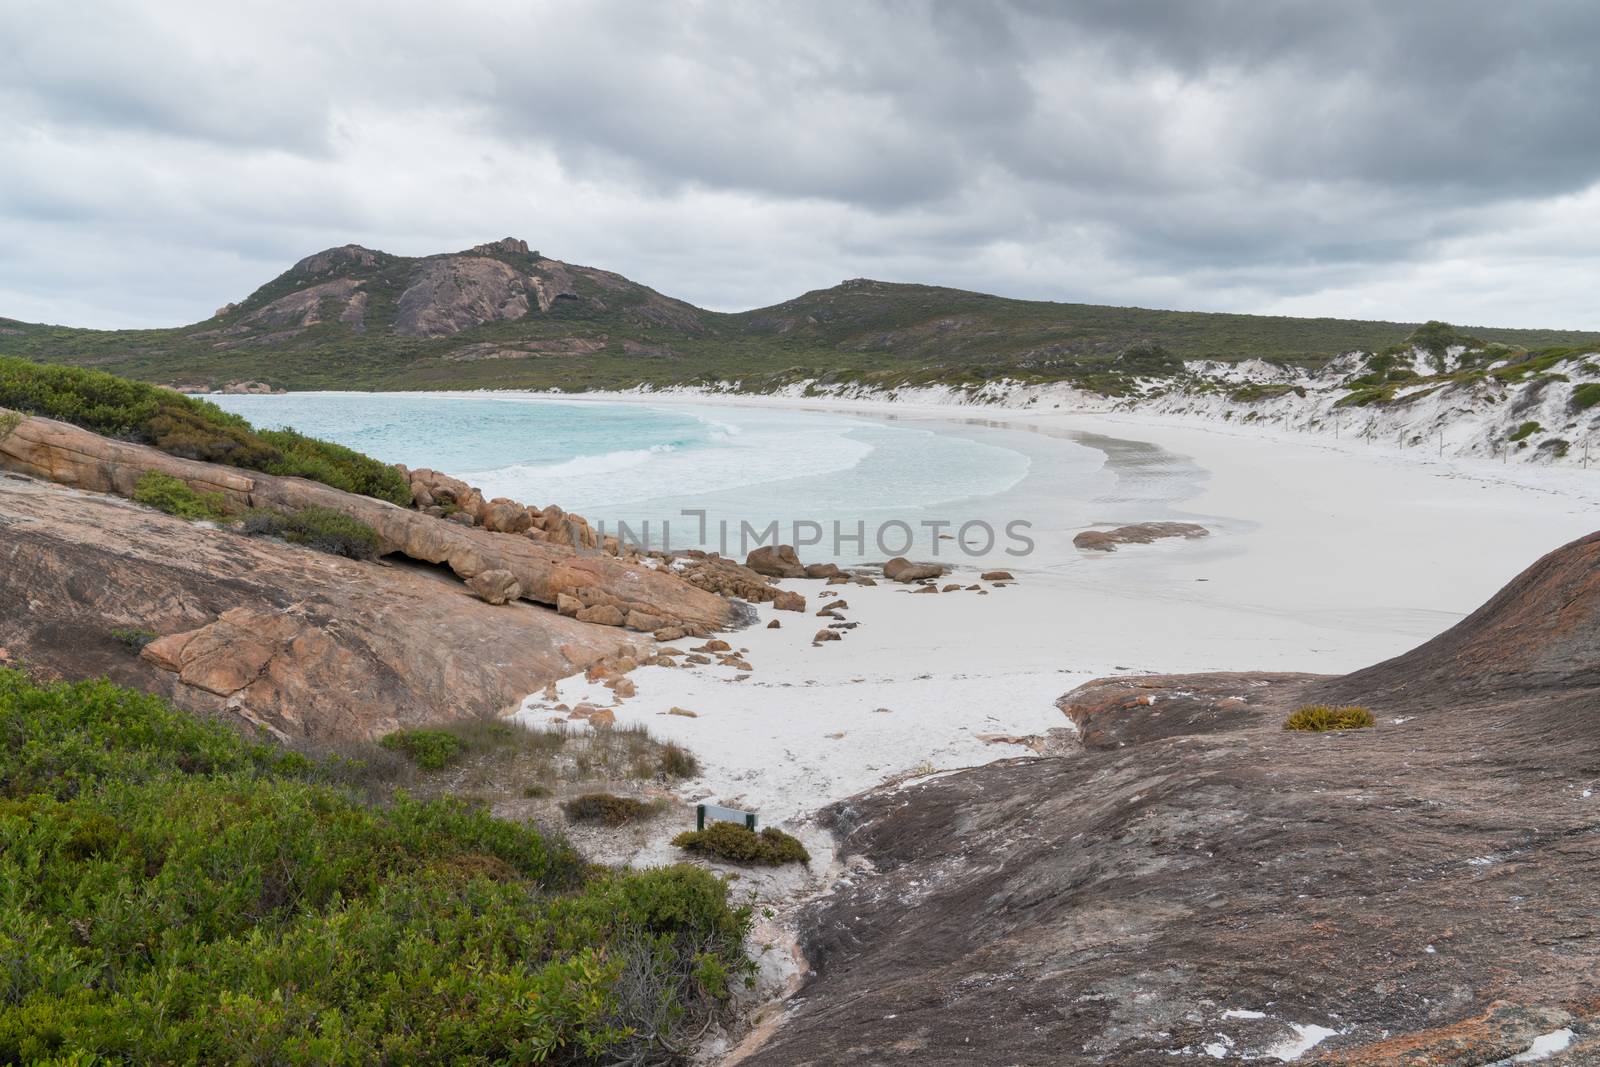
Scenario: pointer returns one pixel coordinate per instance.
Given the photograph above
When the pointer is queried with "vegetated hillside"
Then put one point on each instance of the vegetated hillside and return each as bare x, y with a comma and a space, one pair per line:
503, 316
175, 894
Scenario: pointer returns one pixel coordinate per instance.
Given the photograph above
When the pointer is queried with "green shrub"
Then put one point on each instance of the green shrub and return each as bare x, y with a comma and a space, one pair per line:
1362, 397
735, 843
1322, 717
1251, 392
678, 762
1586, 396
1525, 431
343, 468
1556, 447
171, 892
322, 528
9, 421
173, 495
59, 738
432, 750
134, 639
610, 809
188, 427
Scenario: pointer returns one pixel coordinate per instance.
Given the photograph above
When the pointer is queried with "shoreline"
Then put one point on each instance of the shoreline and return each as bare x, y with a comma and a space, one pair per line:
1325, 556
1322, 559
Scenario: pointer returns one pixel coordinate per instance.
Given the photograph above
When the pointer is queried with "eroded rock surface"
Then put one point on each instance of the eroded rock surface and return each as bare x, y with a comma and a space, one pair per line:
544, 568
307, 644
1198, 882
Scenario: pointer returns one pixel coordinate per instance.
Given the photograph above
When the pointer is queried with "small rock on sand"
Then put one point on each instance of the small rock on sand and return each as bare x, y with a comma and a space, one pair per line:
685, 712
787, 600
776, 561
774, 624
1140, 533
997, 576
825, 635
901, 569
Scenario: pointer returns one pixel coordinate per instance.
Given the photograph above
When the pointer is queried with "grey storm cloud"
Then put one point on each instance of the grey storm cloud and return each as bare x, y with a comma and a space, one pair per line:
1403, 160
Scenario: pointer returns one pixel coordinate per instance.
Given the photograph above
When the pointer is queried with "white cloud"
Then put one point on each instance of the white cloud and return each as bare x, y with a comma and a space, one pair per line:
1435, 160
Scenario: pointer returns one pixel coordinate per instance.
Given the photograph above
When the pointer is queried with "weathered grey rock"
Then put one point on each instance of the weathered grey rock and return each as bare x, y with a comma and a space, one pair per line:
448, 294
1125, 903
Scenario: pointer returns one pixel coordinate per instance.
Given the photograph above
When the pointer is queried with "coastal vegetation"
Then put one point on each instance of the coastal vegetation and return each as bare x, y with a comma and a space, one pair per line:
489, 759
431, 750
738, 844
174, 496
188, 427
322, 528
173, 892
610, 809
1319, 718
134, 638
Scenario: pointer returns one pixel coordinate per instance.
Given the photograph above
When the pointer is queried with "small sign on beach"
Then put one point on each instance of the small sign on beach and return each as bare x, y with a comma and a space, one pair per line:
704, 813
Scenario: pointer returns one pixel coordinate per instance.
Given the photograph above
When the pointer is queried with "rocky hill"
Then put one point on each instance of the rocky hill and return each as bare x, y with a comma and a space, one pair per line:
503, 315
1199, 883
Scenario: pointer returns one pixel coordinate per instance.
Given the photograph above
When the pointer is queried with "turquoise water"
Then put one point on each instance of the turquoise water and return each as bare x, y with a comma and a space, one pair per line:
636, 462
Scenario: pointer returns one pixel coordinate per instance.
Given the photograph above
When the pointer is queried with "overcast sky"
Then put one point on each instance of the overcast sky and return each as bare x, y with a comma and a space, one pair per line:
1401, 160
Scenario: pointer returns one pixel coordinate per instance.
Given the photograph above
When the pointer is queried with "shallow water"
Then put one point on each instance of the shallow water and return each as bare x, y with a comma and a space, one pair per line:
945, 488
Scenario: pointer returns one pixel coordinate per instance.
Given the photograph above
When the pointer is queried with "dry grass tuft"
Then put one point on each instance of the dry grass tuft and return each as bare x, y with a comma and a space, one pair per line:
1319, 718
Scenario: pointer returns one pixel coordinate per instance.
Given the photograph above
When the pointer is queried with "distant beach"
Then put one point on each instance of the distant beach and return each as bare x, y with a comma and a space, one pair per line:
1323, 556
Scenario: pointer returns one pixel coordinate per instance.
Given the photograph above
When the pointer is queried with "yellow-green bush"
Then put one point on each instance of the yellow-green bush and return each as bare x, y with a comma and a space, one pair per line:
609, 809
324, 529
1322, 717
735, 843
173, 495
432, 750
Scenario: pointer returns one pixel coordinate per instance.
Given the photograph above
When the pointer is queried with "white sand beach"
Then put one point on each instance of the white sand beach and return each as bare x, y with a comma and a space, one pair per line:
1324, 556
